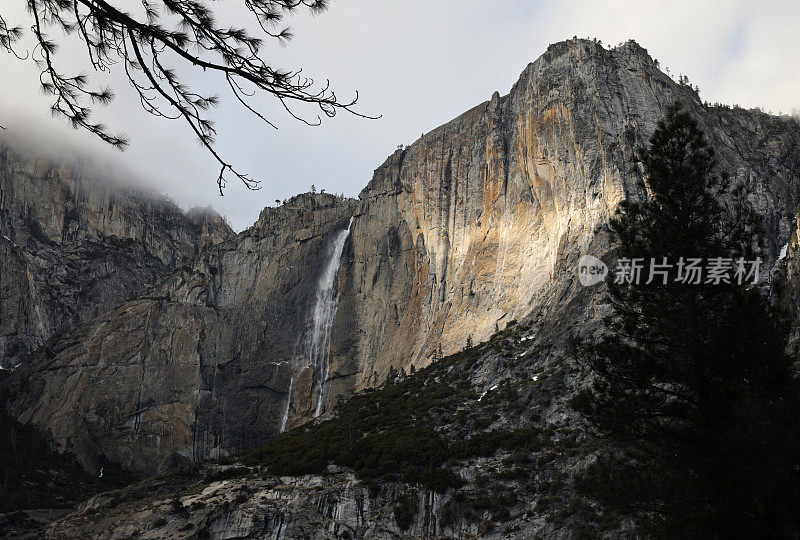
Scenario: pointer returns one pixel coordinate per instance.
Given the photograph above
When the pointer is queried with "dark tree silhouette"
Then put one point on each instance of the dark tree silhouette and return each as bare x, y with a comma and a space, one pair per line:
151, 44
691, 379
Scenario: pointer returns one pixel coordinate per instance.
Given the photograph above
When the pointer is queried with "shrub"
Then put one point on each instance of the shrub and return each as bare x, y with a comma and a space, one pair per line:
228, 474
390, 435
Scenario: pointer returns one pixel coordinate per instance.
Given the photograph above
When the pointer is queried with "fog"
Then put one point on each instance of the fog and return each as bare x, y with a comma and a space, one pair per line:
33, 138
417, 63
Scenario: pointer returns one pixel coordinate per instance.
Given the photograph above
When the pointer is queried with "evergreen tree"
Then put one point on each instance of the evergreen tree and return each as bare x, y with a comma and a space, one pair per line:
392, 376
690, 379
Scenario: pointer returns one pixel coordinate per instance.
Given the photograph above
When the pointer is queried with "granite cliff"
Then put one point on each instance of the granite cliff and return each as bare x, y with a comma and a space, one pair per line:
482, 220
198, 365
74, 245
478, 223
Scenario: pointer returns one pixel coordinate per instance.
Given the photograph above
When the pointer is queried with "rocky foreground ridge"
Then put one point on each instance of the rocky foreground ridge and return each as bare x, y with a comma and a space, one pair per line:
477, 224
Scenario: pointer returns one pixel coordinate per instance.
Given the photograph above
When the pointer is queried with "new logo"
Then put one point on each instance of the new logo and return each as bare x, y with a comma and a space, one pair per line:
591, 270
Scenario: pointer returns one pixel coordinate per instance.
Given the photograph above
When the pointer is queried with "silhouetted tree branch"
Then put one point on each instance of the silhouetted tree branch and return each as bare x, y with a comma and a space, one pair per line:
149, 43
7, 38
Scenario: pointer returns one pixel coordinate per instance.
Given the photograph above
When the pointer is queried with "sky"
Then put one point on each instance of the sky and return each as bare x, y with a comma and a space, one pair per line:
417, 64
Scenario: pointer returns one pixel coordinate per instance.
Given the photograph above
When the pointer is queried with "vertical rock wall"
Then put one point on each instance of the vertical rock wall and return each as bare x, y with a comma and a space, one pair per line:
481, 221
74, 245
200, 365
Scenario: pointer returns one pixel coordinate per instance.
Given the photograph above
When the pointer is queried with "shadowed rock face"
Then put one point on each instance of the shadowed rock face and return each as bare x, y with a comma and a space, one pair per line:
479, 222
73, 246
198, 366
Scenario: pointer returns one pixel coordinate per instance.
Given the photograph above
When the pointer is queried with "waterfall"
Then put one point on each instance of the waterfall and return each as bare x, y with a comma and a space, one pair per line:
318, 340
288, 403
318, 352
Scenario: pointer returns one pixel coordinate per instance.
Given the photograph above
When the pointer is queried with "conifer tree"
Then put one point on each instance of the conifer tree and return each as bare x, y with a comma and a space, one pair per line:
690, 379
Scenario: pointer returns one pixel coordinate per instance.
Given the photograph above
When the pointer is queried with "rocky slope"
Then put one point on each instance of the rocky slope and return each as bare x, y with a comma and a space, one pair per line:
479, 444
74, 245
251, 506
478, 223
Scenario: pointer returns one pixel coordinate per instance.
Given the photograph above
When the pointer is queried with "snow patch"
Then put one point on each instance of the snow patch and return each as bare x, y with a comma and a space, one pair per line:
487, 391
784, 250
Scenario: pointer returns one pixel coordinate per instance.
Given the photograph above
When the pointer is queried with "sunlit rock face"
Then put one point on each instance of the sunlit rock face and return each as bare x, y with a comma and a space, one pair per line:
481, 221
74, 245
478, 223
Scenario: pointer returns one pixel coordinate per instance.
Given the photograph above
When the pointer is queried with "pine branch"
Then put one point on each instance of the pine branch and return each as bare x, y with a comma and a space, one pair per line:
145, 47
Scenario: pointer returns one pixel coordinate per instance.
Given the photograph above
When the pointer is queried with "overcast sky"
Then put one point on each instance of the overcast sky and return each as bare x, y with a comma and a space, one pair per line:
419, 63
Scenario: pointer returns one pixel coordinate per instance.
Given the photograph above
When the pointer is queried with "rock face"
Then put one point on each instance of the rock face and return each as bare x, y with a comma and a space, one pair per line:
73, 246
481, 221
478, 223
202, 363
319, 507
